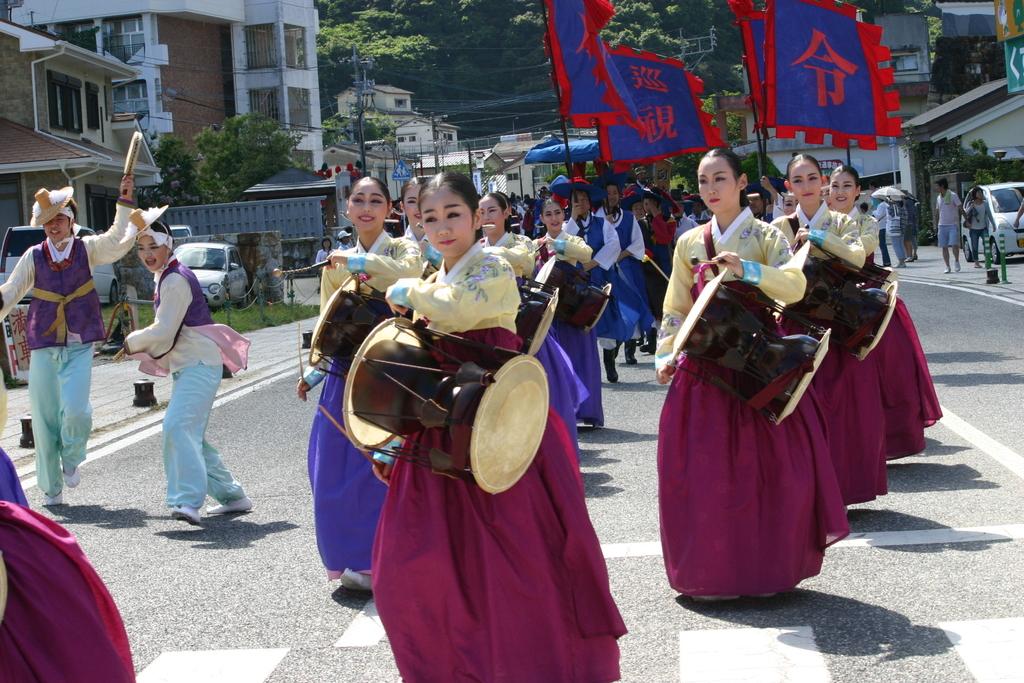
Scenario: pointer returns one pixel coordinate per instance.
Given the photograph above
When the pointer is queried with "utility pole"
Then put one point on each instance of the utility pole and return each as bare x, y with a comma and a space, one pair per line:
363, 87
433, 139
695, 49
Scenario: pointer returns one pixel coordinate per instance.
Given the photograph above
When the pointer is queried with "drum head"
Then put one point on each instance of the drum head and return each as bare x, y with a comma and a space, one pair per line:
805, 381
510, 422
696, 311
891, 287
316, 346
607, 289
545, 271
545, 325
362, 433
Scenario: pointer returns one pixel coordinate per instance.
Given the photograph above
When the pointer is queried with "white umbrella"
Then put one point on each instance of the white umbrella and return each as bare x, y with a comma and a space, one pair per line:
888, 192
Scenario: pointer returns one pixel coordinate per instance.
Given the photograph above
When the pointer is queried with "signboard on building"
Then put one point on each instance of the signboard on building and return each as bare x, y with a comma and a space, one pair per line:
1009, 19
1014, 49
16, 342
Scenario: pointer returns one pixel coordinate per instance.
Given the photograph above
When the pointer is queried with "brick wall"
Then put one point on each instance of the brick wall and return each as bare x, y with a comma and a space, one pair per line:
194, 72
15, 83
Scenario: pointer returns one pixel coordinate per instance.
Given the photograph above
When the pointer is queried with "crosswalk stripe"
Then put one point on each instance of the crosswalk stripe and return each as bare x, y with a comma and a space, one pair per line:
761, 655
991, 648
366, 630
866, 539
213, 666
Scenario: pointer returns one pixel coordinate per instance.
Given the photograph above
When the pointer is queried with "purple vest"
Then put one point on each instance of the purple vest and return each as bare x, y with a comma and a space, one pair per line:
82, 315
198, 312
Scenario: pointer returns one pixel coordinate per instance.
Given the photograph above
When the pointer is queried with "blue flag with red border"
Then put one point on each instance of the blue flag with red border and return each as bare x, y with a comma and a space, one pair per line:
667, 101
752, 28
822, 74
589, 85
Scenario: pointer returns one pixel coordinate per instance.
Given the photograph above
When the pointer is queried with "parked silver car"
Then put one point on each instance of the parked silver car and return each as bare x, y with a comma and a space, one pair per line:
218, 267
21, 238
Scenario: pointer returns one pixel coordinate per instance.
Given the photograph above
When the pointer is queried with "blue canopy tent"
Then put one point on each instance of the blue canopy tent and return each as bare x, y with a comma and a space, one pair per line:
552, 151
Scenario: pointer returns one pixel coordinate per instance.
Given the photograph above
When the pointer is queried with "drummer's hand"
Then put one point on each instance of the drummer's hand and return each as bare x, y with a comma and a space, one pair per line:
665, 373
383, 471
302, 389
802, 235
732, 261
127, 187
590, 265
338, 259
399, 310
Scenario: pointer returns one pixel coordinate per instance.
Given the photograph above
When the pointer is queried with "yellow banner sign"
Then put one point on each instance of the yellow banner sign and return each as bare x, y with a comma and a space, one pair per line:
1009, 19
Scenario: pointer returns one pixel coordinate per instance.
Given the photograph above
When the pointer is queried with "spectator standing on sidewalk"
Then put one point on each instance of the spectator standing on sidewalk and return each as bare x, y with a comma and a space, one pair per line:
894, 219
977, 222
910, 227
881, 214
949, 212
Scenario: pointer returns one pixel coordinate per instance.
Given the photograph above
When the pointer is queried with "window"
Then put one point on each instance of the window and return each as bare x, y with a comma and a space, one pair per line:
298, 107
264, 101
124, 38
295, 46
65, 96
260, 46
512, 176
131, 98
401, 103
448, 136
92, 106
10, 202
905, 62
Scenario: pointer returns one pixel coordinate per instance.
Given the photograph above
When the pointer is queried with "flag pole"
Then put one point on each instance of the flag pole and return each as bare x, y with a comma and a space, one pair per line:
558, 91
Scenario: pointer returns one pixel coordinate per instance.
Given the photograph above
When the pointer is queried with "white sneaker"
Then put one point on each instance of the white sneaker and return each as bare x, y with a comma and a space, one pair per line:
958, 266
185, 513
356, 581
72, 478
946, 270
54, 500
243, 504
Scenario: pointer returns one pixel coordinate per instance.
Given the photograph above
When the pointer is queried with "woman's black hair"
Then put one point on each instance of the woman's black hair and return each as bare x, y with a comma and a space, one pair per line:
735, 164
798, 158
864, 207
329, 241
159, 226
504, 203
457, 183
416, 181
843, 168
380, 183
977, 191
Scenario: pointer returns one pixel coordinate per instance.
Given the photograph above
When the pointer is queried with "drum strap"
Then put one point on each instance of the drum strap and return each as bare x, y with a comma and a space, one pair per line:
794, 225
709, 246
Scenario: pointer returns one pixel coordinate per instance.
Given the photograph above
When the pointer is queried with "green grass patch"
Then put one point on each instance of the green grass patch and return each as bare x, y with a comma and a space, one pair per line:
242, 320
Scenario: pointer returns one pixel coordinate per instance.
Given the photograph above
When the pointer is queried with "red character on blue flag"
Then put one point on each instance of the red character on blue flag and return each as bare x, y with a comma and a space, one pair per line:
590, 86
668, 108
752, 27
822, 74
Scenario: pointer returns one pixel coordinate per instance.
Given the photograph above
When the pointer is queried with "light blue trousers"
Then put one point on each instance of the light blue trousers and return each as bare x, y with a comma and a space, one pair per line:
58, 392
193, 466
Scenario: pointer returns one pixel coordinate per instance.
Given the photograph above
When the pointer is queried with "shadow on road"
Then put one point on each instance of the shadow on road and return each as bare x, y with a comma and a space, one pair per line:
225, 533
966, 357
609, 435
591, 458
862, 520
355, 600
97, 515
922, 477
595, 485
936, 447
842, 626
976, 379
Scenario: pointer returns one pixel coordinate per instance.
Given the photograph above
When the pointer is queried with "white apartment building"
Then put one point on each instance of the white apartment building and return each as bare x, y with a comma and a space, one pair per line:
415, 133
201, 61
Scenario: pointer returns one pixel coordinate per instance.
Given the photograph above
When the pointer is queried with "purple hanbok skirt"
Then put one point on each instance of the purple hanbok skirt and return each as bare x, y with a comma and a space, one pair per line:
347, 497
503, 588
10, 486
566, 391
581, 349
747, 507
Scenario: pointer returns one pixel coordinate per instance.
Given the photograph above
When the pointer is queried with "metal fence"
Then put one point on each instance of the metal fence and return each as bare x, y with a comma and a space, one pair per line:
293, 218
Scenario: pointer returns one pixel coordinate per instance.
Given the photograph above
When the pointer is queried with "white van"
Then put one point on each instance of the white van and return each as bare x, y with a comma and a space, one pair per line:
20, 239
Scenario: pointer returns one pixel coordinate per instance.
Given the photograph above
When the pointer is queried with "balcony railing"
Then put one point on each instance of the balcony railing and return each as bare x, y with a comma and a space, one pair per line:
127, 53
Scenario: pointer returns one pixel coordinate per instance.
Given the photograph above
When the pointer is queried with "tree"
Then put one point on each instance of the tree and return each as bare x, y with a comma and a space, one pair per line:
244, 151
179, 177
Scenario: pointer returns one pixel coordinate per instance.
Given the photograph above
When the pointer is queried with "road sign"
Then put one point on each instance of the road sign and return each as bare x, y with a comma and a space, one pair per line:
1014, 49
401, 172
1009, 19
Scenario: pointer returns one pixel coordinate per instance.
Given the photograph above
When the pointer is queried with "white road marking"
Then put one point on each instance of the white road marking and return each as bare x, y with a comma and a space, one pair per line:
119, 442
991, 648
213, 666
1005, 456
366, 630
966, 290
867, 539
761, 655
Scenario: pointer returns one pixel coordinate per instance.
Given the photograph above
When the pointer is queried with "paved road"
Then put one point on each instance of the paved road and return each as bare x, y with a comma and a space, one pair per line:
922, 595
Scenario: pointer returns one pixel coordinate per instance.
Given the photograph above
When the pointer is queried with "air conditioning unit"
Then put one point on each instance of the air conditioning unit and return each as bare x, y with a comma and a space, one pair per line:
7, 5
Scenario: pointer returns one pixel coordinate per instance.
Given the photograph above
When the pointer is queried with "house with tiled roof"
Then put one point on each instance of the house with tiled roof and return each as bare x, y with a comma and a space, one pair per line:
57, 126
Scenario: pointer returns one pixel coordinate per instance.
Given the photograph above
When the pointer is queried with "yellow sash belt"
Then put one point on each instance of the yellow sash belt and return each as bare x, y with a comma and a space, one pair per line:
59, 322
